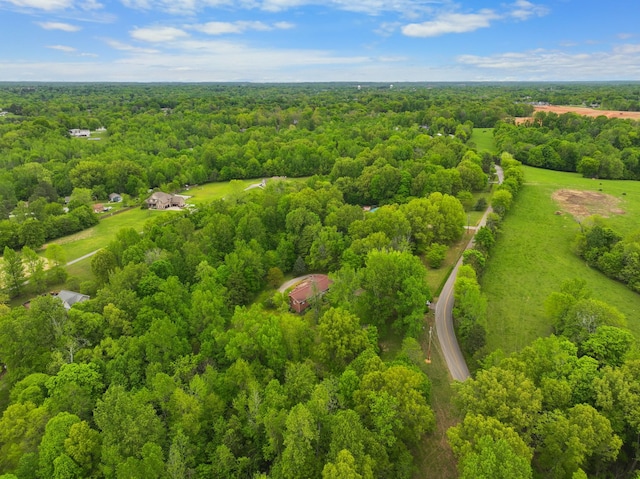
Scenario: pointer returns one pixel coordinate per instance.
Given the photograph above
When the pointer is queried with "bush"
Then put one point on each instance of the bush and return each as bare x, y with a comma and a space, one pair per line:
436, 254
481, 204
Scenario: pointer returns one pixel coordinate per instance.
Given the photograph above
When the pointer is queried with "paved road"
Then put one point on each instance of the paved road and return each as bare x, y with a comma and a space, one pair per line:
444, 314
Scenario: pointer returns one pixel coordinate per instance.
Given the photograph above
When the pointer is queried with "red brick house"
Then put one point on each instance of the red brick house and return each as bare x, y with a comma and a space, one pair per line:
312, 287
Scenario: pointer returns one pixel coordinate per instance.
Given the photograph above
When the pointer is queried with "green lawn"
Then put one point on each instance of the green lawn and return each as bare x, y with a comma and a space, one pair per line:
533, 257
483, 138
213, 191
100, 235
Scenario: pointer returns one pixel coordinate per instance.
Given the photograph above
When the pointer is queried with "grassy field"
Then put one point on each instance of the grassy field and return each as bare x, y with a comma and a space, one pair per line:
483, 138
100, 235
533, 257
213, 191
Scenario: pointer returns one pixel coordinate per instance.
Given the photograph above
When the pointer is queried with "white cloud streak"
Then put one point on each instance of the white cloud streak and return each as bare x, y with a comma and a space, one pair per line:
158, 34
622, 62
53, 5
62, 48
451, 23
65, 27
446, 22
370, 7
221, 28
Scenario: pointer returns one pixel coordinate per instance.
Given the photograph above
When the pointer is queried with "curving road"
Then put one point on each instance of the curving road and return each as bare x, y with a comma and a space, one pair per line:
444, 313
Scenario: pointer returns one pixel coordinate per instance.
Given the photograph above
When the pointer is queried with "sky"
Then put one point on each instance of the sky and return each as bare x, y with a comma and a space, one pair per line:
319, 40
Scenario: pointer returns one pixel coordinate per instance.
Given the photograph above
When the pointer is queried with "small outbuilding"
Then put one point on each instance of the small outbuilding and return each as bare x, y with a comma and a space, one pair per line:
313, 287
115, 197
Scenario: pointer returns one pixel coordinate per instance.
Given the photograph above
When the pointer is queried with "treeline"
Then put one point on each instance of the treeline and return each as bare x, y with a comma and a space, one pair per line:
173, 369
596, 147
470, 306
616, 256
565, 406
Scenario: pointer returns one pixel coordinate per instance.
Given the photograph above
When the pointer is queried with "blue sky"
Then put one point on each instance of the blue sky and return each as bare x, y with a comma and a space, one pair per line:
319, 40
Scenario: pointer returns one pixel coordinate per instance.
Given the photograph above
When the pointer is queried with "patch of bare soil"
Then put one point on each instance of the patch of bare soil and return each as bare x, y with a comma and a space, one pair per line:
581, 203
559, 109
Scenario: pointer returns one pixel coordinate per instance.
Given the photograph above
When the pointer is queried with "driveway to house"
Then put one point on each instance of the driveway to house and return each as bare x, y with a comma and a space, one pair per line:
444, 312
291, 282
88, 255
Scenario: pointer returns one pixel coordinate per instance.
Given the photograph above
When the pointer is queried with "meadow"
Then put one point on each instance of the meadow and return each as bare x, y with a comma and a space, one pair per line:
483, 138
533, 257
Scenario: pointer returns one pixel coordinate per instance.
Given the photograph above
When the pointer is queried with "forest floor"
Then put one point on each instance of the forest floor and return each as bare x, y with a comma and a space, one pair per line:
533, 256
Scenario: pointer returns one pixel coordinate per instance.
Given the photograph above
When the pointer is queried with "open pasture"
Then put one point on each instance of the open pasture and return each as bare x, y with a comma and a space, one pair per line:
533, 256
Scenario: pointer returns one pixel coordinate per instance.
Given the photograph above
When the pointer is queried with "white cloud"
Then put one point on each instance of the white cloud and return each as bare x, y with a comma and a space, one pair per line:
284, 25
451, 23
625, 36
158, 34
622, 62
118, 45
65, 27
385, 29
62, 48
46, 5
523, 10
407, 8
221, 28
53, 5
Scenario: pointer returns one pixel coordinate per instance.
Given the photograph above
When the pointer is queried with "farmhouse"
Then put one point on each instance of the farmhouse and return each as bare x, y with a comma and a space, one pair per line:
98, 208
311, 288
162, 201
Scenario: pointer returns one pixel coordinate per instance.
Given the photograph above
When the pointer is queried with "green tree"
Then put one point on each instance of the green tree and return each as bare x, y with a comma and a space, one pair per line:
83, 446
300, 437
494, 459
52, 444
341, 338
501, 202
32, 233
343, 468
35, 269
12, 272
103, 263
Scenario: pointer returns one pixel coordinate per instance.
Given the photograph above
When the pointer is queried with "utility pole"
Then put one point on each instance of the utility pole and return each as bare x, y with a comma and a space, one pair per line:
428, 360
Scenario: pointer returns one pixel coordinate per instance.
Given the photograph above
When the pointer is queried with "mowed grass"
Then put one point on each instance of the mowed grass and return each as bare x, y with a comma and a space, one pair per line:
483, 138
100, 235
202, 194
533, 257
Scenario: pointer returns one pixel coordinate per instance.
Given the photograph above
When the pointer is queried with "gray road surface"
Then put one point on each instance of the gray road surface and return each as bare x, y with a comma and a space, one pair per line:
444, 314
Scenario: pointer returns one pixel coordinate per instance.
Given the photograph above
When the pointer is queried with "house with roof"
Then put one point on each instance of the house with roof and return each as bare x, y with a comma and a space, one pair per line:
115, 197
162, 201
80, 133
69, 298
312, 288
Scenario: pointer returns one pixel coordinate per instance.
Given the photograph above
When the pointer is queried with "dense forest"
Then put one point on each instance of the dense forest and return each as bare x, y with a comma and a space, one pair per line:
187, 361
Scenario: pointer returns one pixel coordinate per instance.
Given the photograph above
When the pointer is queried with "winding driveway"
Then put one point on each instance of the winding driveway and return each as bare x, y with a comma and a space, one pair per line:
444, 313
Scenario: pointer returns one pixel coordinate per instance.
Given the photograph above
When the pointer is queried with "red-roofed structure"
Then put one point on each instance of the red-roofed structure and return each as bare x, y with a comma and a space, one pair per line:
312, 287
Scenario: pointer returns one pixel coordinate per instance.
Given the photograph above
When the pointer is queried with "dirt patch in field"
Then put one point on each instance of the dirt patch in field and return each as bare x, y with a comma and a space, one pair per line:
581, 203
633, 115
